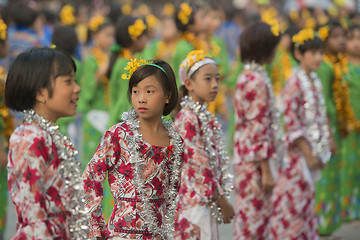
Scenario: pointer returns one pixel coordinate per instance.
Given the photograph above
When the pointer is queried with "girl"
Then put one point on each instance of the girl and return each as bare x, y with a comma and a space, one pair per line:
142, 157
205, 180
258, 145
330, 72
350, 194
43, 177
95, 98
308, 142
130, 38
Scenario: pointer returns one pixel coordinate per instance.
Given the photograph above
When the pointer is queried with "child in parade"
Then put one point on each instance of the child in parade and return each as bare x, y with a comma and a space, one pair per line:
331, 72
205, 180
130, 38
43, 176
258, 140
142, 157
308, 142
350, 194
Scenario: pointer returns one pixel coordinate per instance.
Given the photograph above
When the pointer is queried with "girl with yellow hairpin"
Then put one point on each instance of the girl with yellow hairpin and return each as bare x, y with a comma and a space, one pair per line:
308, 140
331, 73
130, 40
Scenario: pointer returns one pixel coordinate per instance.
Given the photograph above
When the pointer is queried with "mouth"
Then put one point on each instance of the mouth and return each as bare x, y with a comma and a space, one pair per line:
74, 101
142, 109
213, 93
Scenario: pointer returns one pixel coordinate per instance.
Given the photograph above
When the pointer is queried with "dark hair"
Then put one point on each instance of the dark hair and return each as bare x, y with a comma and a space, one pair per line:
32, 70
257, 42
168, 82
352, 29
334, 25
115, 11
184, 27
122, 38
312, 44
23, 15
65, 39
102, 26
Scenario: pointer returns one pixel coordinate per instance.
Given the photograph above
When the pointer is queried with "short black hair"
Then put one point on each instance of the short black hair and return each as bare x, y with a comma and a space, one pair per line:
65, 39
312, 44
351, 30
23, 15
181, 26
33, 70
333, 25
167, 81
257, 42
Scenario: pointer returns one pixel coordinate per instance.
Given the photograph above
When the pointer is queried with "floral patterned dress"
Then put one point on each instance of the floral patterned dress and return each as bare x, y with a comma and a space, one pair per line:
199, 181
254, 140
294, 214
112, 158
36, 186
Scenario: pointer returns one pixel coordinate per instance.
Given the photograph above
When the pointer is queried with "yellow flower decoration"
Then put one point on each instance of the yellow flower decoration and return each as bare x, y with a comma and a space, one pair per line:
310, 23
132, 65
294, 15
126, 9
193, 57
168, 9
95, 22
143, 10
151, 21
303, 35
53, 46
184, 13
323, 32
67, 15
275, 27
137, 29
3, 28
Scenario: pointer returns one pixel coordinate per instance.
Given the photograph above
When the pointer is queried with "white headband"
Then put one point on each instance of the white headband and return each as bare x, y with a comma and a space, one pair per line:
186, 72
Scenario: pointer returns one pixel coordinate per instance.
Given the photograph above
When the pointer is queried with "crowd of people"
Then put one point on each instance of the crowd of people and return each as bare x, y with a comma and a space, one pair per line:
126, 120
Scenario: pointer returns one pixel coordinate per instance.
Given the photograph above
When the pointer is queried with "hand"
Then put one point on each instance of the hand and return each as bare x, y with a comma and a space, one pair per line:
313, 162
267, 181
226, 209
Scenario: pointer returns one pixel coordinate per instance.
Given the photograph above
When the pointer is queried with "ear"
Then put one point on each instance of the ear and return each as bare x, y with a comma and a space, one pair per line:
42, 95
189, 85
297, 54
168, 97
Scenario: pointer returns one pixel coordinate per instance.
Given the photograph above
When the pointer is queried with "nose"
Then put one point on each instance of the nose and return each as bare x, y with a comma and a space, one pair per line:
77, 88
215, 84
142, 98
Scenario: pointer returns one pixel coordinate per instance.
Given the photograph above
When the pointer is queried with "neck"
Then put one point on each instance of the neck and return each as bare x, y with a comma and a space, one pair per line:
354, 59
307, 71
153, 124
42, 112
196, 98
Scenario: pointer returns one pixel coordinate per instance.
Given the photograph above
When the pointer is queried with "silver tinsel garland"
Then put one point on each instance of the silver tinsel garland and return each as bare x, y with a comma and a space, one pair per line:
138, 163
210, 134
318, 136
275, 125
70, 172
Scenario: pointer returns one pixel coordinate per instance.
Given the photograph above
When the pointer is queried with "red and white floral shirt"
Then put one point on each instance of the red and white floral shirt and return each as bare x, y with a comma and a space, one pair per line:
36, 186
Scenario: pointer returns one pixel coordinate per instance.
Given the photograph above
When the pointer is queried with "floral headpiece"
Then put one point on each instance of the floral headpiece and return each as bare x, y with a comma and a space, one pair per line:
269, 17
134, 64
323, 32
136, 29
67, 15
302, 36
194, 60
95, 23
151, 21
126, 9
184, 13
3, 28
168, 9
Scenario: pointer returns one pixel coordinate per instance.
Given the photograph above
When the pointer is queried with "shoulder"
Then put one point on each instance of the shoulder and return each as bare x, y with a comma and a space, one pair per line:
28, 132
186, 115
250, 79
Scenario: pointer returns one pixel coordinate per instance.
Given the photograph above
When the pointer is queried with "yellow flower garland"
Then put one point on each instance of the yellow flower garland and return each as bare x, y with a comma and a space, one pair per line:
67, 15
137, 29
4, 111
100, 57
3, 28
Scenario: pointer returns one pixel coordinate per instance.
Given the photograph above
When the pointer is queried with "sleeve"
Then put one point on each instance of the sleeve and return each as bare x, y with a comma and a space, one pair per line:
31, 189
93, 177
252, 107
118, 92
88, 84
292, 99
197, 177
326, 76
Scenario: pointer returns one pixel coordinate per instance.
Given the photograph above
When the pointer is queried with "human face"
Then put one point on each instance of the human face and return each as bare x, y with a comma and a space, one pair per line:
105, 37
213, 20
63, 101
353, 43
140, 43
199, 25
311, 60
336, 41
205, 86
168, 29
148, 98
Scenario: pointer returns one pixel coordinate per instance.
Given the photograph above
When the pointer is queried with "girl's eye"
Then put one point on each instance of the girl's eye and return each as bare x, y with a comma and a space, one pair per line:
208, 78
134, 91
150, 91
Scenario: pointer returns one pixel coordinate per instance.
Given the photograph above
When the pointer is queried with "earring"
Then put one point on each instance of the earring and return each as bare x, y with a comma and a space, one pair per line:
43, 101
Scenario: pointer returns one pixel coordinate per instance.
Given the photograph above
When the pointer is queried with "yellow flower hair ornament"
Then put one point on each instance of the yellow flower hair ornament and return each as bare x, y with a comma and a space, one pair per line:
184, 13
302, 36
323, 32
134, 64
95, 23
3, 28
151, 21
67, 15
136, 29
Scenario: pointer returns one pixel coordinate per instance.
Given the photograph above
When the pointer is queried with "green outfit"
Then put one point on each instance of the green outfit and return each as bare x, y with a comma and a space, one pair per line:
118, 91
350, 171
327, 193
